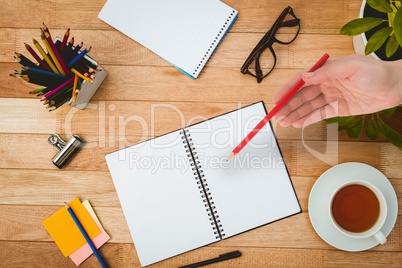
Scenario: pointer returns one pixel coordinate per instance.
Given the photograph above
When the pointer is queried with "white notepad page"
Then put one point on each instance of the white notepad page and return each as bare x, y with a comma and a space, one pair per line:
254, 187
160, 199
160, 193
183, 32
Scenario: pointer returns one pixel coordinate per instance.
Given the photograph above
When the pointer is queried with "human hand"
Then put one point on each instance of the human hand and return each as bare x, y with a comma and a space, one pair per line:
349, 85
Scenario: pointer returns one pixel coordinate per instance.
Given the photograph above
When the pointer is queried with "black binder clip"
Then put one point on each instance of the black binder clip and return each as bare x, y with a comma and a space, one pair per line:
66, 150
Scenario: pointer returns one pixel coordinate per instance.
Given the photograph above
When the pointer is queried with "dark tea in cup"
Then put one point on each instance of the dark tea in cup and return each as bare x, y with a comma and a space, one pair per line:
355, 208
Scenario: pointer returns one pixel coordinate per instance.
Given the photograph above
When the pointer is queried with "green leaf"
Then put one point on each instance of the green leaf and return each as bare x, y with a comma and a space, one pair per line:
340, 119
377, 40
398, 26
394, 137
380, 5
358, 26
341, 127
372, 131
354, 128
389, 112
392, 46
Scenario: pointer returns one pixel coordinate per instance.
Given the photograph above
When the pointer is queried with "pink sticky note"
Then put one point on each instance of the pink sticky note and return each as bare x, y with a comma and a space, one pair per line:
85, 251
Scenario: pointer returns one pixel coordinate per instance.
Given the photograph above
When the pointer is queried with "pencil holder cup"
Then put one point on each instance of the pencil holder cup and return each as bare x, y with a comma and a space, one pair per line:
65, 73
87, 89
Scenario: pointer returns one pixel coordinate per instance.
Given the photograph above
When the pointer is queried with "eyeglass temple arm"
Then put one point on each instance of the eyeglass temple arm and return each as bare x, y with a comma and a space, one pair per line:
267, 36
258, 71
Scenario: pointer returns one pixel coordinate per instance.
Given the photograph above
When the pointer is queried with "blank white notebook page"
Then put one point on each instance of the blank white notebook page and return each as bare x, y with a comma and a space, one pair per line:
254, 187
160, 199
183, 32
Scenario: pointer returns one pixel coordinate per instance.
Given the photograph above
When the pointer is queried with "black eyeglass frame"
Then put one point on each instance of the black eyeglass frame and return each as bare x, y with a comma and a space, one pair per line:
267, 41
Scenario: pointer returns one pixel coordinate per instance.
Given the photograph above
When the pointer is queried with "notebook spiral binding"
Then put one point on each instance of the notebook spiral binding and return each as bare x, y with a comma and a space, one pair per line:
202, 184
219, 36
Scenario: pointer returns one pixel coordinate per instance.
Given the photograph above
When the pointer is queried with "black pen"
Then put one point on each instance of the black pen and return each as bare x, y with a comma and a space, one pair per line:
222, 257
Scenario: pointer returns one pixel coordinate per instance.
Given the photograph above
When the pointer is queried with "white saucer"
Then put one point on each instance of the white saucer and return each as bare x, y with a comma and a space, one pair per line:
320, 197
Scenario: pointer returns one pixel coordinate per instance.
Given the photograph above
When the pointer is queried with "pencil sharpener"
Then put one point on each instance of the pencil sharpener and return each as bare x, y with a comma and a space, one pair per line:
66, 150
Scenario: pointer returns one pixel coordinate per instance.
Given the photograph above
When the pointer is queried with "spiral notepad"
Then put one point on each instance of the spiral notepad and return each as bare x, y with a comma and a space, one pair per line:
178, 191
183, 32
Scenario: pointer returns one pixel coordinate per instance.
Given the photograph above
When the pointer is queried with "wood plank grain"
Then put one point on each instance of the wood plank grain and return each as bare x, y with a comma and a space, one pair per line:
24, 14
23, 254
24, 223
304, 158
144, 97
36, 187
52, 187
111, 121
114, 48
145, 83
253, 16
30, 254
26, 116
259, 16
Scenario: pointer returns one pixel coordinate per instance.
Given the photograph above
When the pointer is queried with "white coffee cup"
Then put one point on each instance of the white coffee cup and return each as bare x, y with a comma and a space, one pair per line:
375, 229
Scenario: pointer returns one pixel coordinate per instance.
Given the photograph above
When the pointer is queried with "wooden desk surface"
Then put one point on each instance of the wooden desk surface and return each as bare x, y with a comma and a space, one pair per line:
144, 96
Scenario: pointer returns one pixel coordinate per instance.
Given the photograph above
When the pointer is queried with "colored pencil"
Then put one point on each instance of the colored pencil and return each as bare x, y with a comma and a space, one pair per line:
40, 71
67, 49
54, 91
80, 75
77, 58
52, 55
89, 241
45, 56
57, 94
45, 29
74, 52
39, 76
23, 60
277, 107
83, 69
87, 61
61, 98
38, 90
58, 60
55, 51
64, 42
37, 58
49, 83
56, 106
74, 93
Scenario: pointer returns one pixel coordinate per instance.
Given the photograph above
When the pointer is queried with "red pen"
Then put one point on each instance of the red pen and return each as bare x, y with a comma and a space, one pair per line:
277, 107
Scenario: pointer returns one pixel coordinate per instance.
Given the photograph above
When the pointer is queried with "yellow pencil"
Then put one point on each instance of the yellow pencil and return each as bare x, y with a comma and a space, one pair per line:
55, 52
52, 55
81, 76
74, 94
45, 56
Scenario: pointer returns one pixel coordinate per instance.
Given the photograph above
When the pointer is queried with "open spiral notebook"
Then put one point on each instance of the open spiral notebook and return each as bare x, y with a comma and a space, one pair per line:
179, 192
183, 32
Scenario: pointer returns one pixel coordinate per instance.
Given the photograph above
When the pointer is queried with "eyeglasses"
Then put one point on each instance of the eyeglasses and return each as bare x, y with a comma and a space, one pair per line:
262, 59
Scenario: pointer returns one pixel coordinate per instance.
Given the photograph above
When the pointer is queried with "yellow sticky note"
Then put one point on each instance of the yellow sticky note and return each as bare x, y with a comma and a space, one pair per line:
65, 232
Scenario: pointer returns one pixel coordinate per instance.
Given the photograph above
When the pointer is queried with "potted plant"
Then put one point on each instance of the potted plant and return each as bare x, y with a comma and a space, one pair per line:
380, 28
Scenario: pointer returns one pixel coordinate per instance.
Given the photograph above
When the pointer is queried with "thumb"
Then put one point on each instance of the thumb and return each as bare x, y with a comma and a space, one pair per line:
317, 77
332, 70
